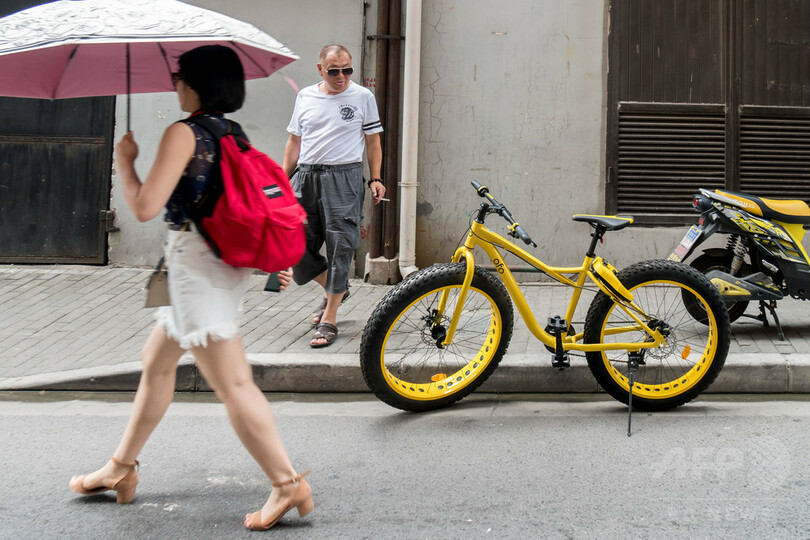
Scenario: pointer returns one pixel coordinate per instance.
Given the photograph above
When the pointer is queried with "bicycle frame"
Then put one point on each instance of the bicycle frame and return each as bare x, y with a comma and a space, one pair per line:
487, 240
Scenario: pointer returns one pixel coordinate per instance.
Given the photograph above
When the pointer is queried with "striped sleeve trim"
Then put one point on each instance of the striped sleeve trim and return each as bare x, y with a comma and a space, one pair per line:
372, 125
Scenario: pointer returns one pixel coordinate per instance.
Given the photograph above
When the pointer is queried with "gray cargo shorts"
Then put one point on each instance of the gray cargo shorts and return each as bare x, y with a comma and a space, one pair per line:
332, 195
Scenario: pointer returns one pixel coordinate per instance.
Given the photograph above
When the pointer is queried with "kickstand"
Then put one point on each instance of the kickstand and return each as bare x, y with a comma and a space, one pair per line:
770, 306
632, 366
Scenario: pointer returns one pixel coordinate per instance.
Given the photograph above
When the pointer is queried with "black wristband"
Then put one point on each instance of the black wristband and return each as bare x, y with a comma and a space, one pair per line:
374, 180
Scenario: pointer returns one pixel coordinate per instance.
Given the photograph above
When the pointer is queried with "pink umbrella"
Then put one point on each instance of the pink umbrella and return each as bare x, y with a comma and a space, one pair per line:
82, 48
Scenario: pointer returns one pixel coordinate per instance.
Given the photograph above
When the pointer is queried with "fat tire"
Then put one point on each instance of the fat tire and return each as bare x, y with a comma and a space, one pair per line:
636, 275
398, 299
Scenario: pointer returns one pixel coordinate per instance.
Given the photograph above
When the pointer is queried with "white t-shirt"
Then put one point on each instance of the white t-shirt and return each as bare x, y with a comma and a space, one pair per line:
333, 127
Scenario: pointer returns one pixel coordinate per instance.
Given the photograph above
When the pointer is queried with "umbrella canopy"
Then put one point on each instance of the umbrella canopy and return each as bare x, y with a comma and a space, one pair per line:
82, 48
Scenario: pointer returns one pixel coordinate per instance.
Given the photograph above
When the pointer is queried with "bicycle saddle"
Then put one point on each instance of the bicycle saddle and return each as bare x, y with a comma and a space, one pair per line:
610, 223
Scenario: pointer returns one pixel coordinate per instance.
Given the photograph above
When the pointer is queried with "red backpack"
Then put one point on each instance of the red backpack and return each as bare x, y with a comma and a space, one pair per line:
249, 214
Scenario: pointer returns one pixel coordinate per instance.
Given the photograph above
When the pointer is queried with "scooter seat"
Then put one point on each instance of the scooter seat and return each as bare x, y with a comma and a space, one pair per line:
784, 210
610, 223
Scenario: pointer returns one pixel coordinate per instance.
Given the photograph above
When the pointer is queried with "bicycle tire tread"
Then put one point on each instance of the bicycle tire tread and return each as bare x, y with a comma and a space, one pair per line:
400, 297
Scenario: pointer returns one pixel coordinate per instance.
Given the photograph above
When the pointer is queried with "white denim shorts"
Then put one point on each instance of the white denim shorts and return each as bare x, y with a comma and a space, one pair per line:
205, 293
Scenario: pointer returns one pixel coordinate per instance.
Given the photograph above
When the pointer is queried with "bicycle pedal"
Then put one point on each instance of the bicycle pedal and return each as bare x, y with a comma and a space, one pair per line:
556, 325
560, 362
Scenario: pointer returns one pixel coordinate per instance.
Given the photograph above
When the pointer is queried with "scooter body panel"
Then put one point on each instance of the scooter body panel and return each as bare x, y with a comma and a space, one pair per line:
754, 287
779, 250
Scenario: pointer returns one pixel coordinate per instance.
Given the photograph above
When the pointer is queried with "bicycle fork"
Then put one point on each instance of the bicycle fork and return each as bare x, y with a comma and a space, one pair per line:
462, 297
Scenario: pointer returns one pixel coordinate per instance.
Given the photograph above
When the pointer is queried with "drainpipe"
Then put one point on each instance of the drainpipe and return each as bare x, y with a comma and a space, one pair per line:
391, 160
410, 139
375, 248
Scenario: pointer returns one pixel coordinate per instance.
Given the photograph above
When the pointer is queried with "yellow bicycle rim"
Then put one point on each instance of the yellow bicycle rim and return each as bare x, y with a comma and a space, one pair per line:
444, 383
681, 383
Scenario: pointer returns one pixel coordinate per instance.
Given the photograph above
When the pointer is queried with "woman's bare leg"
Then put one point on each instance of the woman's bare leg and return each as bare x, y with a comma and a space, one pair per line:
225, 368
155, 392
154, 395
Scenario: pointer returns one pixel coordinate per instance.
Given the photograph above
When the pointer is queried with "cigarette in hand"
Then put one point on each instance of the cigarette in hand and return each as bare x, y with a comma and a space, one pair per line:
384, 199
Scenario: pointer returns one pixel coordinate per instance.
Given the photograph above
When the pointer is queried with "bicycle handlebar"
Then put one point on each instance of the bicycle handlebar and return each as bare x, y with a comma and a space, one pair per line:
483, 191
520, 232
515, 230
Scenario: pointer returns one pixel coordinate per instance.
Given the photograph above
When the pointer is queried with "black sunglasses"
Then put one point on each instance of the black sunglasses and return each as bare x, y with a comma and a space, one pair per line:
334, 71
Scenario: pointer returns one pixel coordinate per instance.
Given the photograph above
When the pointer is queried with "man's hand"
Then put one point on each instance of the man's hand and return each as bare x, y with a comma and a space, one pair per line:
377, 191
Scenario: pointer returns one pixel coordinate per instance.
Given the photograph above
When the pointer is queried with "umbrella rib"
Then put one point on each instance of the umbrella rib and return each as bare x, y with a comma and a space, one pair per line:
243, 51
165, 58
64, 71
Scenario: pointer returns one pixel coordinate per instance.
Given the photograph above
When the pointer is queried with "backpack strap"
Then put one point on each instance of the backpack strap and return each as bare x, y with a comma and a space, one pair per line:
215, 128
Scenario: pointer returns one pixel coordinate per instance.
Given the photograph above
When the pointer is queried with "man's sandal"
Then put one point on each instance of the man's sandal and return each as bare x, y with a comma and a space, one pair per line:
325, 331
315, 318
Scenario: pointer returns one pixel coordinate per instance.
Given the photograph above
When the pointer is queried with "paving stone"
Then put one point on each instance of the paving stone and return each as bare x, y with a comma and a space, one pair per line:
72, 317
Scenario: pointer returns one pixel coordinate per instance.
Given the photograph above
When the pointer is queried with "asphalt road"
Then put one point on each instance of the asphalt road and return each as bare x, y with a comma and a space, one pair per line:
529, 467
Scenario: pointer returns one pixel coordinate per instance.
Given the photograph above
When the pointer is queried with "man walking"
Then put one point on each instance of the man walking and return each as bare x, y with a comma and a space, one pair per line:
333, 121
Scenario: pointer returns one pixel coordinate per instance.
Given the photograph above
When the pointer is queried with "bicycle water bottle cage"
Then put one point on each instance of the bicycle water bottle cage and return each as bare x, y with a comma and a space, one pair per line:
607, 280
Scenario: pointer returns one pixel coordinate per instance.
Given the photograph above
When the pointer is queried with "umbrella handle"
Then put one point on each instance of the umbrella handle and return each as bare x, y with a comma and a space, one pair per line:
129, 94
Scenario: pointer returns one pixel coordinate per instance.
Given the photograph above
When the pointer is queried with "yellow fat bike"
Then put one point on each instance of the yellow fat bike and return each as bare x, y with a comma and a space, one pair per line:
439, 334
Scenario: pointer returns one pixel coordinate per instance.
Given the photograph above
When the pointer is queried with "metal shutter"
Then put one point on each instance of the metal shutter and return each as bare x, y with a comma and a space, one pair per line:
665, 153
775, 152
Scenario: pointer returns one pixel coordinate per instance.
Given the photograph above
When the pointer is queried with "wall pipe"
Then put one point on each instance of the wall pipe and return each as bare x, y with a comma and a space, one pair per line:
410, 138
391, 160
375, 248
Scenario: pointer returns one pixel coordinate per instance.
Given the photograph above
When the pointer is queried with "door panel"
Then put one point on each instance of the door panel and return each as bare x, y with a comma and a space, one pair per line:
55, 167
669, 51
775, 45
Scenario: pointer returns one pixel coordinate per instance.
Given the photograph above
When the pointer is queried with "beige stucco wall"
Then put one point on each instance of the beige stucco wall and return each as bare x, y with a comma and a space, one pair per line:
513, 95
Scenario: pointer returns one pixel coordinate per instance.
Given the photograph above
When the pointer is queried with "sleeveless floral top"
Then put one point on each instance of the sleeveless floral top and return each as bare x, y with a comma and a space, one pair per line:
197, 175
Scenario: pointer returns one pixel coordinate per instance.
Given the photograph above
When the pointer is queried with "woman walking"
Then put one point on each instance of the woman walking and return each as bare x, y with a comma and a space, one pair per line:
205, 293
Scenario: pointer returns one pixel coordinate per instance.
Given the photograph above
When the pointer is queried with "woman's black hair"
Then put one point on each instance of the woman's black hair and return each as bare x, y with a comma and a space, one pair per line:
215, 73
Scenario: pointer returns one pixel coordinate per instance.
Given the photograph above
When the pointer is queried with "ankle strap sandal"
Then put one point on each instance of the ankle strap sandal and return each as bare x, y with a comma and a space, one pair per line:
136, 465
294, 480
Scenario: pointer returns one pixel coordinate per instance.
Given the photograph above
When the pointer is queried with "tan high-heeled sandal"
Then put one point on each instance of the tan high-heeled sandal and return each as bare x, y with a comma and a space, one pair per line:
301, 499
124, 487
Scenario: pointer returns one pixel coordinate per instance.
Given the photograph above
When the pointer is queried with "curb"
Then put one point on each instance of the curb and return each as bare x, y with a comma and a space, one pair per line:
338, 373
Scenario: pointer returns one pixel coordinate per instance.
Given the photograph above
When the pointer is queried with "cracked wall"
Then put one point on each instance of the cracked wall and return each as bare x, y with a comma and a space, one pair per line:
511, 96
514, 95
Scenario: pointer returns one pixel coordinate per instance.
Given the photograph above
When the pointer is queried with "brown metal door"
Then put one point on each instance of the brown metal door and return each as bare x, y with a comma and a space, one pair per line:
55, 167
773, 114
712, 94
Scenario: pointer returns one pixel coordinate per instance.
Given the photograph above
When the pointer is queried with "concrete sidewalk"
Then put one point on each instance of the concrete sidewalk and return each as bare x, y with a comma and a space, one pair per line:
82, 328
